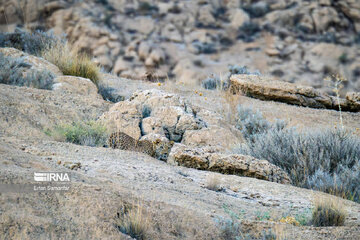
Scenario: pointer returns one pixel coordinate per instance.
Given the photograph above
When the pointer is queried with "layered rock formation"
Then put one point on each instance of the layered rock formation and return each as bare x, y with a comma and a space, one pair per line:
211, 160
295, 41
269, 89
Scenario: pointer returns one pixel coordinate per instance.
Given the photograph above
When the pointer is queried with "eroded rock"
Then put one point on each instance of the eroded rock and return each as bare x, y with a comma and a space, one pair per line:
76, 85
209, 159
265, 88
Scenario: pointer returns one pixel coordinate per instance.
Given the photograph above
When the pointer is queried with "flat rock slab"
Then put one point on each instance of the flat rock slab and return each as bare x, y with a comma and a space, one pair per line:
209, 159
265, 88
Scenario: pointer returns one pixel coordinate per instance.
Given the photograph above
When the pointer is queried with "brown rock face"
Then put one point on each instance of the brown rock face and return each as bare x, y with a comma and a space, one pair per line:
269, 89
235, 164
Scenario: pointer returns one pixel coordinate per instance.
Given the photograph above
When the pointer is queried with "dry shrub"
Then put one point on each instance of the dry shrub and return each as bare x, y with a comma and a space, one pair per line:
71, 62
328, 212
213, 183
133, 221
327, 160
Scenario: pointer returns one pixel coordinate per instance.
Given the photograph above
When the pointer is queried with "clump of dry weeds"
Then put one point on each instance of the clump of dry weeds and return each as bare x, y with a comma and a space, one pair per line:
328, 212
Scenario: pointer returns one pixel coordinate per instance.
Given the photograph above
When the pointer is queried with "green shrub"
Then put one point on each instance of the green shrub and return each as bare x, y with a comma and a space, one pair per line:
326, 160
231, 228
328, 213
14, 71
89, 133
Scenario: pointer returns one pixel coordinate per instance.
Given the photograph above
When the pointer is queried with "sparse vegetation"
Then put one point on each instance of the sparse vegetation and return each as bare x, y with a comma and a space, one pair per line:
249, 31
33, 43
231, 228
235, 69
336, 83
328, 213
216, 82
343, 58
334, 169
132, 221
72, 63
206, 48
146, 8
213, 183
83, 133
14, 71
53, 49
108, 93
303, 217
262, 216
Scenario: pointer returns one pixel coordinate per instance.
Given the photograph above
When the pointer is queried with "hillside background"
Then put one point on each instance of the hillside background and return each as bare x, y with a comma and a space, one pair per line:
292, 40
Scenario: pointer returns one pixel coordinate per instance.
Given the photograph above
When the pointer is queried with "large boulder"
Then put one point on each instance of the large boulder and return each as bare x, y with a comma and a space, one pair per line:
209, 159
166, 118
76, 85
124, 117
238, 18
152, 111
265, 88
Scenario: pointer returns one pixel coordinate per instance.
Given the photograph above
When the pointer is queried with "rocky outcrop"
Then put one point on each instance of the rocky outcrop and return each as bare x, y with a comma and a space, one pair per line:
76, 85
265, 88
302, 40
168, 116
209, 159
124, 117
36, 63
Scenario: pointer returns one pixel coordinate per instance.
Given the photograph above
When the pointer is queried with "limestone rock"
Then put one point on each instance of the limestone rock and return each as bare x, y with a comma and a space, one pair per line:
124, 117
143, 25
121, 65
205, 17
76, 85
236, 164
157, 55
144, 50
353, 99
239, 17
265, 88
170, 33
323, 17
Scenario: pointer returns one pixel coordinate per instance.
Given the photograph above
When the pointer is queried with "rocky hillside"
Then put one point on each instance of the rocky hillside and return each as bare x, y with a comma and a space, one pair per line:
292, 40
167, 140
196, 183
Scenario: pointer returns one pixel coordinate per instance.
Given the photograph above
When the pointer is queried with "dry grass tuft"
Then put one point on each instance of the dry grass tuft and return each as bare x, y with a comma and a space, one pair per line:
133, 222
328, 212
213, 183
72, 63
